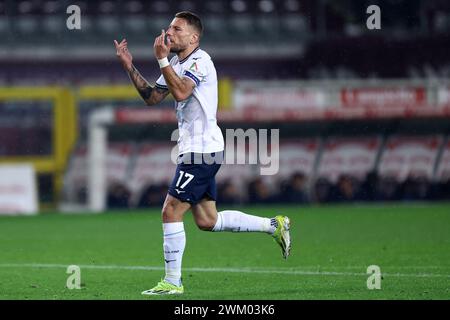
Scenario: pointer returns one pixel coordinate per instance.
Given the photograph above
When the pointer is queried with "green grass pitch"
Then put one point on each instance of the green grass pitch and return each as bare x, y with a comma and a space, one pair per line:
120, 255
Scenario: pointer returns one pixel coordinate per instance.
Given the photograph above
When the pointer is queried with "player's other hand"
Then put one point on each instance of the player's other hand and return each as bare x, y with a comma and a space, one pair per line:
160, 48
123, 54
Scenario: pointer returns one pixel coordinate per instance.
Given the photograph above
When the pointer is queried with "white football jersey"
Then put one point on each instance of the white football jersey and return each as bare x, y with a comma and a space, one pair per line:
197, 122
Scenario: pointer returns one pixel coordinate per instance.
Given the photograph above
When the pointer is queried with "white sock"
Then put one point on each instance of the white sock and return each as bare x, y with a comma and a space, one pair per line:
237, 221
174, 243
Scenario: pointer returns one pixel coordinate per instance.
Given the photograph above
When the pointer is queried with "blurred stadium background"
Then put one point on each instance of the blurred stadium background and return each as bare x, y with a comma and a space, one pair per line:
363, 114
364, 119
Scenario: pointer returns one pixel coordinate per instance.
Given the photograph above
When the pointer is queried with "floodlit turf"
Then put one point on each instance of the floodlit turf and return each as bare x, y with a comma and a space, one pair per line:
120, 255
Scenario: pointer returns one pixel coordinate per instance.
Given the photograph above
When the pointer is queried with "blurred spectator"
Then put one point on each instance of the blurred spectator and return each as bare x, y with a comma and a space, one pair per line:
323, 190
118, 196
227, 193
442, 190
415, 188
153, 195
387, 189
258, 192
345, 189
368, 188
295, 189
81, 194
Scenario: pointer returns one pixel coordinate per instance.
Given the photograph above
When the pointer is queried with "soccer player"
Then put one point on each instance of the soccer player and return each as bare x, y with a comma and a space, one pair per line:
191, 78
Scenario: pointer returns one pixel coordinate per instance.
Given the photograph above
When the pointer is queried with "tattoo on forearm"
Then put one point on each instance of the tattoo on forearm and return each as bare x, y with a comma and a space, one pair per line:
160, 90
146, 92
142, 85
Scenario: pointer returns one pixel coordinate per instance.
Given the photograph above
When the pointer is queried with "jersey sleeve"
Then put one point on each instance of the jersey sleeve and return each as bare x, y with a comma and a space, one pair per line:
161, 83
197, 71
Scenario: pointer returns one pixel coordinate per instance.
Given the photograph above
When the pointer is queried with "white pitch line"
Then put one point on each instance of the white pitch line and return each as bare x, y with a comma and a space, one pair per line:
231, 270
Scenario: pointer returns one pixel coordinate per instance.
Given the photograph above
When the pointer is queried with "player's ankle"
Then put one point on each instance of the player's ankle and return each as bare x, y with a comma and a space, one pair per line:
273, 225
175, 282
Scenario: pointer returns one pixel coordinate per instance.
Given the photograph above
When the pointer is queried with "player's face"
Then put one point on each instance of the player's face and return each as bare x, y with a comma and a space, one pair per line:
180, 35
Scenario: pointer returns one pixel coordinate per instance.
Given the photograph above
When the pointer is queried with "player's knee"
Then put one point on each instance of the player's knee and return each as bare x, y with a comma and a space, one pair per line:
205, 224
167, 211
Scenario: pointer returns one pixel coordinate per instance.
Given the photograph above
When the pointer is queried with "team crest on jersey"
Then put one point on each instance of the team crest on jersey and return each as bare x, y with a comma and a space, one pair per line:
194, 67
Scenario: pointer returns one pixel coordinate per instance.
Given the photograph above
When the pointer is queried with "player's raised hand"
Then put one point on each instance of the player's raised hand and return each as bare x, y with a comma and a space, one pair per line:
160, 48
123, 54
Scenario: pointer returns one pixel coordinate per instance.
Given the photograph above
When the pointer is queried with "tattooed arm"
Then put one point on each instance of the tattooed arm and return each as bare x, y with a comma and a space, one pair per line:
151, 95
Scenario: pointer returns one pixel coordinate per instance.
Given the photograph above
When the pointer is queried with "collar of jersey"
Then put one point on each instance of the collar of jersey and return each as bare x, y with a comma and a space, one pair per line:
190, 54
